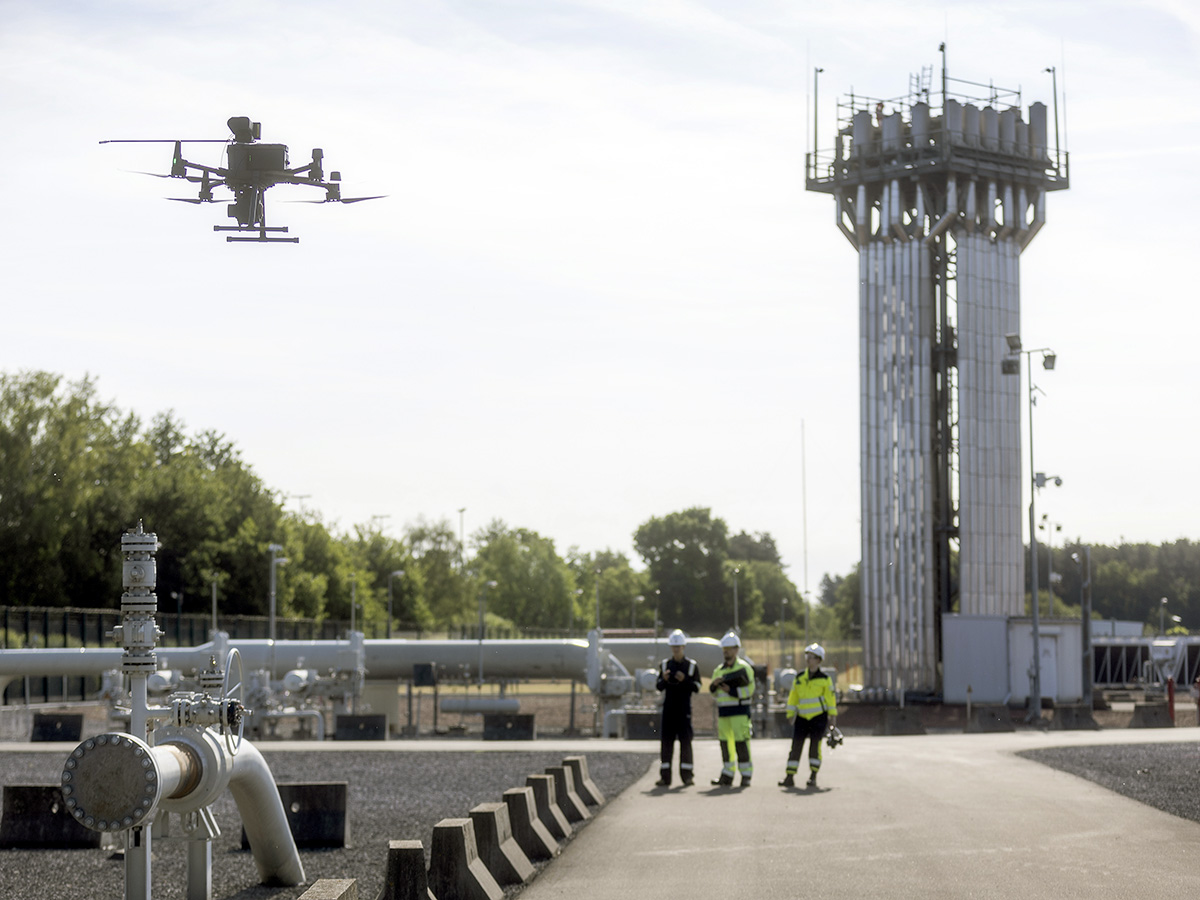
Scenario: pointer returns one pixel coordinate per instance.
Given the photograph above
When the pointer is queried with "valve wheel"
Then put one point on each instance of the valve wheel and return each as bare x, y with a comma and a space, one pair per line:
233, 693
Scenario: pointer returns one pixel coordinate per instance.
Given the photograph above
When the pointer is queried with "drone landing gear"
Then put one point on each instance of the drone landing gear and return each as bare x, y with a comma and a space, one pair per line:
260, 231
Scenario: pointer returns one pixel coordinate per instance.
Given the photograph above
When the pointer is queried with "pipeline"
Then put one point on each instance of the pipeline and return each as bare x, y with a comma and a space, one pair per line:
115, 782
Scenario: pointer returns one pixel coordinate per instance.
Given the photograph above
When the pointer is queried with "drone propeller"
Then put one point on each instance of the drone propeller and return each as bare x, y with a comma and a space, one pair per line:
339, 199
190, 199
194, 178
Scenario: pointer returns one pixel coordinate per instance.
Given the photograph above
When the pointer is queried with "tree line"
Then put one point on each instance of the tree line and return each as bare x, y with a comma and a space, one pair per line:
76, 471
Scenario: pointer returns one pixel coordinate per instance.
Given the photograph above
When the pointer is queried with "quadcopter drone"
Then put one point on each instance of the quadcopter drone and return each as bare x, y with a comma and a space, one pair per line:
251, 168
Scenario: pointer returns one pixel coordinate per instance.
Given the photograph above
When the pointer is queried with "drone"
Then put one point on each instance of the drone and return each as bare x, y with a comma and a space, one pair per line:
251, 169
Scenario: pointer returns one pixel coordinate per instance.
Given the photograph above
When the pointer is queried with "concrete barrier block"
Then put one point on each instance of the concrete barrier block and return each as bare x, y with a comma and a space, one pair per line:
1073, 717
316, 813
360, 728
531, 835
1151, 715
332, 889
455, 869
989, 720
57, 727
548, 809
508, 727
497, 847
35, 817
405, 877
898, 720
564, 789
584, 786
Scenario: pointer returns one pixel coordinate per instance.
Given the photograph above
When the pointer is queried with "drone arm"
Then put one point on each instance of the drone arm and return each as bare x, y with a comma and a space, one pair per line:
313, 170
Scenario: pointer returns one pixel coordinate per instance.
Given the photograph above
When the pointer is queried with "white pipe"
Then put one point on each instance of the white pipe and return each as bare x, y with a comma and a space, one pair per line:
951, 210
382, 659
1039, 219
897, 222
1008, 211
842, 207
270, 837
862, 214
885, 214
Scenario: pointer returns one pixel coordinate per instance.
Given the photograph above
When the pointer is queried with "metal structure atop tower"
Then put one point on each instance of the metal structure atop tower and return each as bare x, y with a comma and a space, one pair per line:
939, 194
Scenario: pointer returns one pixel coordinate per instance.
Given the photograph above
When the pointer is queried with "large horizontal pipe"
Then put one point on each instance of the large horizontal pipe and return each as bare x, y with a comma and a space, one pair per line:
382, 659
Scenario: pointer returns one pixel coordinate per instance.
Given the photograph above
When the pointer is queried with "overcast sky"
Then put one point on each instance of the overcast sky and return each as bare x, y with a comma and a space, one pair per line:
597, 290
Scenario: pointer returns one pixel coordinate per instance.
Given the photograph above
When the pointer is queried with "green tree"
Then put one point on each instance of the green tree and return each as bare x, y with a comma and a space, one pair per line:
534, 587
759, 547
66, 466
836, 615
685, 554
619, 584
379, 556
437, 576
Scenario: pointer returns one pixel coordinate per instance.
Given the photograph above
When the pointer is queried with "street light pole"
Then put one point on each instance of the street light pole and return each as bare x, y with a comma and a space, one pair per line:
1012, 366
1085, 612
482, 611
736, 629
782, 618
399, 573
461, 538
275, 561
1050, 527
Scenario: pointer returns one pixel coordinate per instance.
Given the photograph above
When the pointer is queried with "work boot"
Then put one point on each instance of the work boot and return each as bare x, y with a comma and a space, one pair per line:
663, 782
789, 780
688, 781
724, 781
812, 781
745, 781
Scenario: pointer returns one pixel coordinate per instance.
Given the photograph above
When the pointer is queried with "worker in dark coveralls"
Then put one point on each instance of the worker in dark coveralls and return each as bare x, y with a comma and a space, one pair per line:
678, 679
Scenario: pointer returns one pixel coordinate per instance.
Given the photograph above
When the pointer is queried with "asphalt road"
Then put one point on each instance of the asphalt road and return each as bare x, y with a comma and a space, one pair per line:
939, 815
950, 815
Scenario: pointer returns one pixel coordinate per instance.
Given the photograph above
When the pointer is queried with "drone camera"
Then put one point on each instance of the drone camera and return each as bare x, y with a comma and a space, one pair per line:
244, 130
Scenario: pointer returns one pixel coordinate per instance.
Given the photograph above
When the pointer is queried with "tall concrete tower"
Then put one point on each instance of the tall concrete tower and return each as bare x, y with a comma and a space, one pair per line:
939, 195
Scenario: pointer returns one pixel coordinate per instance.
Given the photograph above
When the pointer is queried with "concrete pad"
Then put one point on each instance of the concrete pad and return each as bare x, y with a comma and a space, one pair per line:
332, 889
405, 877
497, 848
923, 817
316, 813
584, 786
1073, 717
895, 720
989, 719
35, 817
1151, 715
530, 834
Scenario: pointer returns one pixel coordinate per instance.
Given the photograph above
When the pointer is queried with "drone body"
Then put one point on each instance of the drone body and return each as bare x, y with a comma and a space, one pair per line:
251, 169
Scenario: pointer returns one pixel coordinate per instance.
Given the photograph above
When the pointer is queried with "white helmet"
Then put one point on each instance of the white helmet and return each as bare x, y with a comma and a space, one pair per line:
731, 640
816, 650
677, 639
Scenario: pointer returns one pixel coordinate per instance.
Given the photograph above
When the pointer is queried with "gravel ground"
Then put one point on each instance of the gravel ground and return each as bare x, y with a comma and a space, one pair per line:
392, 796
1160, 775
